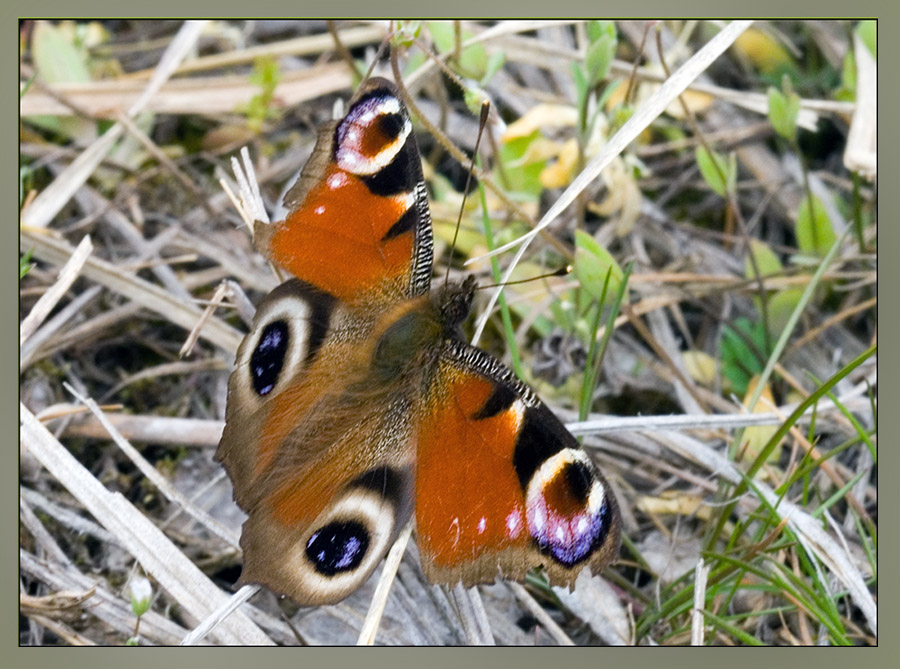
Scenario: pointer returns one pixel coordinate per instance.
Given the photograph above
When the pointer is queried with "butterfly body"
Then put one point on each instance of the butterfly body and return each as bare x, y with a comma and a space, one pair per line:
356, 402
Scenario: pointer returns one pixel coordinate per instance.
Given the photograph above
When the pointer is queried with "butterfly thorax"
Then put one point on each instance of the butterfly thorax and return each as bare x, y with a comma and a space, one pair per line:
417, 327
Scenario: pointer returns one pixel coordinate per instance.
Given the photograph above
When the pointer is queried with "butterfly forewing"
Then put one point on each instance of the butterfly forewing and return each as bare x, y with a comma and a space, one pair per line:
360, 228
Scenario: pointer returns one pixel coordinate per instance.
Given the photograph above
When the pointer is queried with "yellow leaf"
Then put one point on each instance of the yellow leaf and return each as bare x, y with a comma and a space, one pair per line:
538, 150
762, 50
678, 504
541, 116
696, 101
623, 197
701, 366
757, 436
560, 173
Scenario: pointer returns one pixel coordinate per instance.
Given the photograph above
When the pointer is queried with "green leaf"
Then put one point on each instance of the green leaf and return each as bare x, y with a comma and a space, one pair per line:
474, 98
846, 92
56, 58
563, 314
473, 61
592, 264
598, 59
783, 110
727, 169
406, 33
25, 263
495, 62
259, 108
742, 348
766, 260
442, 34
813, 228
581, 85
596, 30
522, 175
780, 306
868, 33
26, 182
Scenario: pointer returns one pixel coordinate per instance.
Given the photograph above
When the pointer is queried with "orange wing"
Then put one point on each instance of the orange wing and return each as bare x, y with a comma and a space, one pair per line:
501, 484
360, 228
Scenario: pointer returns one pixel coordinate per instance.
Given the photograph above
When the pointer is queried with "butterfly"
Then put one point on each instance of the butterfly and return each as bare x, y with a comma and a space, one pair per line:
355, 400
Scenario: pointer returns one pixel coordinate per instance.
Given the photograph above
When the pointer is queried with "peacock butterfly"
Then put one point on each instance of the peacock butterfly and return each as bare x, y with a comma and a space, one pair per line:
355, 399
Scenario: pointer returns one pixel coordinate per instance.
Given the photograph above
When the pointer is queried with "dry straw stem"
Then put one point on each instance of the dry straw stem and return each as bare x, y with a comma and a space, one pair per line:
48, 300
65, 516
376, 609
143, 292
158, 556
701, 573
643, 117
216, 617
51, 200
307, 45
157, 479
861, 152
221, 94
470, 610
200, 432
540, 614
111, 609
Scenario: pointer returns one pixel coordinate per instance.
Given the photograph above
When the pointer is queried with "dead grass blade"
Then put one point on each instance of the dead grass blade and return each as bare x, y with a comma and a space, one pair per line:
167, 489
159, 557
67, 276
861, 153
379, 599
145, 293
155, 429
220, 614
221, 94
49, 202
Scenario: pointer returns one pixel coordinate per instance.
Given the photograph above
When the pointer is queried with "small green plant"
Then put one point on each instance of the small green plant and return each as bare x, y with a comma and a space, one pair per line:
25, 263
141, 593
743, 353
784, 108
719, 172
590, 75
472, 62
259, 110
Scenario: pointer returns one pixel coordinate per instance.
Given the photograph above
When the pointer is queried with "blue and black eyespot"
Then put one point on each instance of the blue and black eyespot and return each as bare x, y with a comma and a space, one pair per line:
338, 547
267, 359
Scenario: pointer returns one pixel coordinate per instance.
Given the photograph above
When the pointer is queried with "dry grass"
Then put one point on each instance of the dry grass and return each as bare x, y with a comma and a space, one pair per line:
735, 413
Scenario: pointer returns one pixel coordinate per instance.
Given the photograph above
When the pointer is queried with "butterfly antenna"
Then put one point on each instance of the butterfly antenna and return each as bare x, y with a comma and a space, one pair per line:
482, 122
562, 271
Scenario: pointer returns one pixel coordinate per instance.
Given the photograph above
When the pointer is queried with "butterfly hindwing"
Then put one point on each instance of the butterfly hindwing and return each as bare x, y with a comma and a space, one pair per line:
520, 492
320, 460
